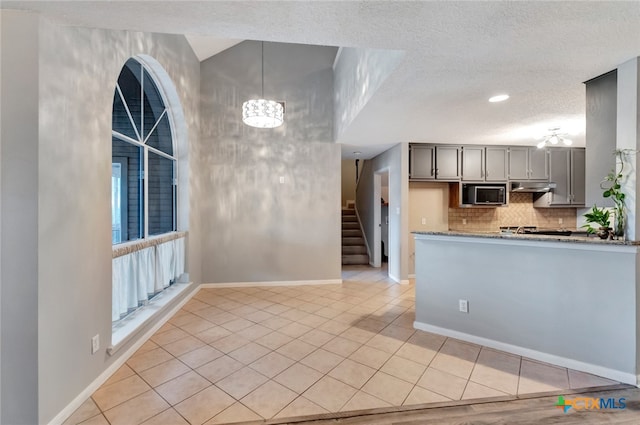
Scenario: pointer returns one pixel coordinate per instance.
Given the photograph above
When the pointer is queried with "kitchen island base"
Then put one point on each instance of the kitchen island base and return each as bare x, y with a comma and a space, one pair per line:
568, 303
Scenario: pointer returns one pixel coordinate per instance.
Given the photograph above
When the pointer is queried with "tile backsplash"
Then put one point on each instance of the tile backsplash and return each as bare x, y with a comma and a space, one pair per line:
519, 212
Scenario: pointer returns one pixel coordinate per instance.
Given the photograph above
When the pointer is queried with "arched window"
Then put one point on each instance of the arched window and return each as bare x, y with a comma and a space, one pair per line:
143, 182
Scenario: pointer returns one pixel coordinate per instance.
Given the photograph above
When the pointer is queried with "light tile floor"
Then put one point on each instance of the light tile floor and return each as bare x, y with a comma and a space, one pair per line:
241, 354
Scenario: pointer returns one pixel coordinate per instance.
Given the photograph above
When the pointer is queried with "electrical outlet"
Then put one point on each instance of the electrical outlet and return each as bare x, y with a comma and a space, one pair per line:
559, 221
95, 344
424, 220
281, 179
463, 305
464, 221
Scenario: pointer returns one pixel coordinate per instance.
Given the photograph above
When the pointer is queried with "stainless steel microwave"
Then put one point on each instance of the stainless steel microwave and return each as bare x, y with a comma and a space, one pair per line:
477, 194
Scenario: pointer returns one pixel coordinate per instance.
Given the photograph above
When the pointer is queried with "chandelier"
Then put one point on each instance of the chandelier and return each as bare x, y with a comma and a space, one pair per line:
555, 138
262, 113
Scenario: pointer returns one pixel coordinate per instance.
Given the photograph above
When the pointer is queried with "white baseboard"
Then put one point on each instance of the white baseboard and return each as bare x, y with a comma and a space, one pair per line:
272, 283
398, 280
616, 375
102, 378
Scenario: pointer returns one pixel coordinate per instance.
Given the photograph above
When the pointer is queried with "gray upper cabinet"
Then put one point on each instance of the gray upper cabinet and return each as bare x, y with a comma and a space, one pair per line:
538, 164
563, 166
422, 164
519, 163
472, 163
578, 175
528, 163
430, 162
567, 171
481, 163
496, 159
559, 173
448, 162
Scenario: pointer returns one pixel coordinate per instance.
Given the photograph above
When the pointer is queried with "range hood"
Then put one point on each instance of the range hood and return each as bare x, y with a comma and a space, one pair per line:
532, 187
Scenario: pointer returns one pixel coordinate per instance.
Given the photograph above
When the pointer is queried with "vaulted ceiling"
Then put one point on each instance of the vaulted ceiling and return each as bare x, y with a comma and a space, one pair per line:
457, 55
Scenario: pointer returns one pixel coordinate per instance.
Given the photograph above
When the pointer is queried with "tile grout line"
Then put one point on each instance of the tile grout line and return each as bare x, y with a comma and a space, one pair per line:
519, 376
471, 373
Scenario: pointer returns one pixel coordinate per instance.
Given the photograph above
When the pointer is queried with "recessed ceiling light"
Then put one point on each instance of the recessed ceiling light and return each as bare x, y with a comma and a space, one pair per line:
499, 98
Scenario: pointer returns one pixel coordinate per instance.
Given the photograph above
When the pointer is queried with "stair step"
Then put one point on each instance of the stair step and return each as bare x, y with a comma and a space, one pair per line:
355, 259
347, 233
348, 211
349, 218
354, 249
352, 241
350, 225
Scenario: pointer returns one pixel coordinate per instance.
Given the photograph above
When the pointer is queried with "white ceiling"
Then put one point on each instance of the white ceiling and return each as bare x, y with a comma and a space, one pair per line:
458, 54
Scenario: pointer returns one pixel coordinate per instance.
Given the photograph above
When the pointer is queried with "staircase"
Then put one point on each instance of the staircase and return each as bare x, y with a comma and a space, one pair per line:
354, 251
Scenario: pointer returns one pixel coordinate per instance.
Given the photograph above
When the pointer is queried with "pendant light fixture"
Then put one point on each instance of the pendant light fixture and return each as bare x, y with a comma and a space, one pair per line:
262, 113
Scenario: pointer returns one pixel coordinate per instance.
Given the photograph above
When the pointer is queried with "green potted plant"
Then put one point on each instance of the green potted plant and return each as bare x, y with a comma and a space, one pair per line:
612, 189
599, 216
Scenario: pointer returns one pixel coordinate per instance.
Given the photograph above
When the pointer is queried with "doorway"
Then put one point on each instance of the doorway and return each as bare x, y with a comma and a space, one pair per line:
381, 197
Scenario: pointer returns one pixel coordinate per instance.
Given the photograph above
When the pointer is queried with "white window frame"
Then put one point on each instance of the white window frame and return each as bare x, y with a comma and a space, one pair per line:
144, 214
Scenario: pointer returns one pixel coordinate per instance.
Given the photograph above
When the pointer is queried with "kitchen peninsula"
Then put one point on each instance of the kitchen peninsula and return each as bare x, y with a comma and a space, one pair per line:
569, 301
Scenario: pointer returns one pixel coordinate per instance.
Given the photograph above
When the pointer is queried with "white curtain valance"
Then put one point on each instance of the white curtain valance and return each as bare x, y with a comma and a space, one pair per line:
139, 275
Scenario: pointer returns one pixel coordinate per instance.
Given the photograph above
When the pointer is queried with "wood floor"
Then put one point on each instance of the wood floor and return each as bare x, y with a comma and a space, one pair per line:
532, 409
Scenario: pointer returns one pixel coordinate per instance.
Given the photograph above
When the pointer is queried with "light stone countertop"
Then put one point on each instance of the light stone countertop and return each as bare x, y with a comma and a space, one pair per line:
528, 237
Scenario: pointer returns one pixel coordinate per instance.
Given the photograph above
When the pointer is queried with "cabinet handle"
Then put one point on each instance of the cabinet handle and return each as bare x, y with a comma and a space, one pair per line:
433, 171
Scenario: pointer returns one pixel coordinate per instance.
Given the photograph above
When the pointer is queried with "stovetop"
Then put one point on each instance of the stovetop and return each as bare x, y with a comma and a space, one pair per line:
522, 228
533, 230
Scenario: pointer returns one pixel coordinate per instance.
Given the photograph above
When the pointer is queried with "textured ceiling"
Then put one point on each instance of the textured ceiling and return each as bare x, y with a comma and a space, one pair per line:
458, 54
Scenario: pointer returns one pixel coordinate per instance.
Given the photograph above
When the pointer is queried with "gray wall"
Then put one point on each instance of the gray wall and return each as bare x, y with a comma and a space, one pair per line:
359, 73
1, 127
600, 137
254, 227
628, 137
19, 225
549, 297
366, 205
348, 176
396, 161
64, 231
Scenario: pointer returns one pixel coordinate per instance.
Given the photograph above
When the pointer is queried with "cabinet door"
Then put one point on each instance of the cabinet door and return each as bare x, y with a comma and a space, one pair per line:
518, 163
577, 176
538, 164
448, 162
421, 162
472, 163
495, 164
559, 163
